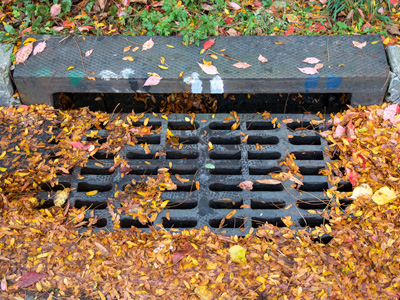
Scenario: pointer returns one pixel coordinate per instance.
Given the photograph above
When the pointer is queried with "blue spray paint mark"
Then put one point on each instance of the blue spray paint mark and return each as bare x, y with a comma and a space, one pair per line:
312, 82
333, 82
75, 76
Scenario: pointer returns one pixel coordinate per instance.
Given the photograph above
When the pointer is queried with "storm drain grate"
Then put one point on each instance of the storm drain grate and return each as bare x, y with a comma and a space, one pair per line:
252, 151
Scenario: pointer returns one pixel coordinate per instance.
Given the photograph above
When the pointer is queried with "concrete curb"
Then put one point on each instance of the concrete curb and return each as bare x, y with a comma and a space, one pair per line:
393, 92
6, 87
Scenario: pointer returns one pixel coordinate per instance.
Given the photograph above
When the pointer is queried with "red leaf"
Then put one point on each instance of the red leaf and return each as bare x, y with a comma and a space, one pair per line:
125, 169
289, 31
177, 256
208, 44
394, 2
352, 176
29, 278
228, 20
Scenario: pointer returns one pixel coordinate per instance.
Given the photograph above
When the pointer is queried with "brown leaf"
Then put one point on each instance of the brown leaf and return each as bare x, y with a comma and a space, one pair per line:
393, 29
269, 181
246, 185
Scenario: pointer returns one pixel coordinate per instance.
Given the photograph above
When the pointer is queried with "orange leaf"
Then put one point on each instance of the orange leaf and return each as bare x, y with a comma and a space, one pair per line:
230, 215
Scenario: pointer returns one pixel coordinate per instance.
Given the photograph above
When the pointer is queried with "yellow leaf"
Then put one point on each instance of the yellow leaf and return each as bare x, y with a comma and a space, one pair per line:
170, 46
238, 254
214, 56
261, 279
207, 63
135, 49
130, 58
61, 197
70, 68
220, 277
162, 60
101, 295
230, 215
180, 74
3, 169
3, 154
278, 43
163, 67
384, 195
386, 41
203, 293
91, 193
29, 40
210, 146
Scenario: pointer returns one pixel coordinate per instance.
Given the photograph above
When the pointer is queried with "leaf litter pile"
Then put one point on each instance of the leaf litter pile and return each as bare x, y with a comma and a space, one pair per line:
43, 252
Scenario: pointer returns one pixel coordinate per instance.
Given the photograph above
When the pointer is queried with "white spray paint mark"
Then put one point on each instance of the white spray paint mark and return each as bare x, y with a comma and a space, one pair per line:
125, 74
115, 90
217, 85
195, 82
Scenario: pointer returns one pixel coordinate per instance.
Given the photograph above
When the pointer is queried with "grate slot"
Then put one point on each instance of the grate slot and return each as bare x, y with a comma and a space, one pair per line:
58, 187
179, 222
222, 126
225, 155
226, 171
100, 140
267, 204
129, 222
263, 155
91, 204
259, 187
188, 140
310, 170
48, 203
225, 204
225, 140
102, 155
146, 171
305, 125
224, 223
87, 187
312, 221
260, 125
305, 140
99, 224
264, 171
179, 125
185, 188
262, 140
222, 187
345, 186
149, 139
185, 170
314, 187
154, 125
182, 154
313, 203
181, 204
140, 155
308, 155
257, 222
95, 171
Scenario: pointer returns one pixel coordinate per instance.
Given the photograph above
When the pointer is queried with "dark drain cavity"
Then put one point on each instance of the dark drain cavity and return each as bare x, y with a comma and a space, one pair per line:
208, 161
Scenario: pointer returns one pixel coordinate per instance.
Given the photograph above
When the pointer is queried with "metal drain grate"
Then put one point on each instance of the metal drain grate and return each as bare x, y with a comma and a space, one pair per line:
234, 160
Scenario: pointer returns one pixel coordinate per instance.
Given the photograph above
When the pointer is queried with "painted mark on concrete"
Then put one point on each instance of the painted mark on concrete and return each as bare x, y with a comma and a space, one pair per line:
44, 72
75, 76
125, 74
217, 85
333, 81
195, 82
312, 82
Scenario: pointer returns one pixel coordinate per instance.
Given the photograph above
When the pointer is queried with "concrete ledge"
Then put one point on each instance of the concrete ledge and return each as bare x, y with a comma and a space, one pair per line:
363, 73
6, 88
393, 94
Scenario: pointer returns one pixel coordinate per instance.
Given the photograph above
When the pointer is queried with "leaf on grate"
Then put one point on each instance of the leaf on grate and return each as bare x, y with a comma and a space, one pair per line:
92, 193
269, 181
318, 66
130, 58
23, 54
39, 48
384, 195
29, 278
231, 214
262, 59
287, 221
209, 69
209, 166
241, 65
152, 80
61, 197
148, 45
246, 185
311, 60
127, 48
208, 44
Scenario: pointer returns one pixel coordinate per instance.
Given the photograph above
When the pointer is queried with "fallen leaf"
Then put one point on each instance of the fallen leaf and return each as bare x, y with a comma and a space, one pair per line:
393, 29
203, 293
208, 44
262, 59
60, 197
125, 169
211, 70
318, 66
384, 195
209, 166
127, 48
269, 181
92, 193
308, 70
23, 53
231, 214
311, 60
55, 10
29, 40
287, 221
390, 112
88, 52
246, 185
362, 190
238, 254
130, 58
152, 80
148, 45
163, 67
339, 132
359, 45
39, 48
234, 5
135, 49
241, 65
177, 256
70, 68
29, 278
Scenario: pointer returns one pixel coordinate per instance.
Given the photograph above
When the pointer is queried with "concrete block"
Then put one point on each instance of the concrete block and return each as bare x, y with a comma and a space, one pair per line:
393, 93
6, 88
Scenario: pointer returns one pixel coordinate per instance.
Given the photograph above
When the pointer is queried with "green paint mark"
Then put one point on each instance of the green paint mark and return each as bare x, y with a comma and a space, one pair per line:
44, 72
75, 76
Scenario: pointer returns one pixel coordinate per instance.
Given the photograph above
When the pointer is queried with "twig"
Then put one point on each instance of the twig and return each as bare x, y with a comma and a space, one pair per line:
216, 53
83, 65
327, 47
